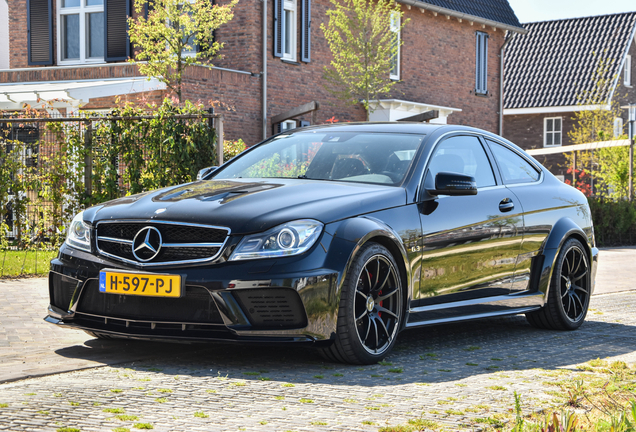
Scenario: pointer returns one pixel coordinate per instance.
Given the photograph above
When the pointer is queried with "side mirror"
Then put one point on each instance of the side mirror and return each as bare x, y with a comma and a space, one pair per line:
455, 184
205, 171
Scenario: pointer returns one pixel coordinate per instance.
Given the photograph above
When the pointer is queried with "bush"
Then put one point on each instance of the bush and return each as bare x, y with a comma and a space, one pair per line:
614, 222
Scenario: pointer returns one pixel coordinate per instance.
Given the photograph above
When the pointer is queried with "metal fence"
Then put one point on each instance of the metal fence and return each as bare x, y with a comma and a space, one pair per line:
50, 167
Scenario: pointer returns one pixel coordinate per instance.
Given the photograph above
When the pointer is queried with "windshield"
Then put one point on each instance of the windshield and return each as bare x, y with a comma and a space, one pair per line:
382, 158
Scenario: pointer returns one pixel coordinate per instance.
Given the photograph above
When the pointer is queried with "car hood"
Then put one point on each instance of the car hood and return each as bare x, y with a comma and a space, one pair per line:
247, 206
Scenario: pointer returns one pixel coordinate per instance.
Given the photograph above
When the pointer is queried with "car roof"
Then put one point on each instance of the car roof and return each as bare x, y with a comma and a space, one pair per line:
395, 127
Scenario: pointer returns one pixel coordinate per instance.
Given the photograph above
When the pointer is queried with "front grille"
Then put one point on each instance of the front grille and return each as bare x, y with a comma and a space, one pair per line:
196, 306
272, 308
180, 243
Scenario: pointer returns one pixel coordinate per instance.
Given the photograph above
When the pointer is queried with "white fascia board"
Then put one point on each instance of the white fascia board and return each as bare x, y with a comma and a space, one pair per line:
463, 16
554, 110
617, 77
415, 107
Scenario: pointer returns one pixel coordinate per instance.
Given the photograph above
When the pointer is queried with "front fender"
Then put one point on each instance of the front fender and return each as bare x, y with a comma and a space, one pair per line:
351, 235
564, 229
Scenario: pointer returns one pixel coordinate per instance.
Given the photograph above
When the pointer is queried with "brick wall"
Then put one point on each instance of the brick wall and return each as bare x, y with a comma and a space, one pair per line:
437, 67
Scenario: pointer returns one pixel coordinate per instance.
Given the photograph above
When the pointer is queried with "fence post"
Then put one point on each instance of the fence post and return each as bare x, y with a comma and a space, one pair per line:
219, 139
88, 158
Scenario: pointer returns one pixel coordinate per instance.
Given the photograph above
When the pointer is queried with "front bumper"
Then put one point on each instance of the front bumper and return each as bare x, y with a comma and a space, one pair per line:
293, 299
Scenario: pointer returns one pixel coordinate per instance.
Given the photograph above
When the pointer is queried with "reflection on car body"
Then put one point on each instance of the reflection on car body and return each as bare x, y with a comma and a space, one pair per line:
337, 236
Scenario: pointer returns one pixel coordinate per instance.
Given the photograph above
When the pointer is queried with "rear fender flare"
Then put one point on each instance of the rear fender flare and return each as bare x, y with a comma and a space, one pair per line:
564, 229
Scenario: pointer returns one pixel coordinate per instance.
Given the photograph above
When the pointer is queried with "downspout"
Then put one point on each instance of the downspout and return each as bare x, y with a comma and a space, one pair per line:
502, 57
264, 74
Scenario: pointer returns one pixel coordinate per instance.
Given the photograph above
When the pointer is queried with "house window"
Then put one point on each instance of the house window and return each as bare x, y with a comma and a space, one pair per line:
552, 130
481, 63
395, 59
81, 31
627, 73
618, 127
290, 31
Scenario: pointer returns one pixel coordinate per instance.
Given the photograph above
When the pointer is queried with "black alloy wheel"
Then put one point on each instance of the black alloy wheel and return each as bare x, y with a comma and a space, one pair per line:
370, 308
569, 292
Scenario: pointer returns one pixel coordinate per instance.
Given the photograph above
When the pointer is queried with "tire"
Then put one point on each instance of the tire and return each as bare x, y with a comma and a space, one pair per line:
371, 309
569, 292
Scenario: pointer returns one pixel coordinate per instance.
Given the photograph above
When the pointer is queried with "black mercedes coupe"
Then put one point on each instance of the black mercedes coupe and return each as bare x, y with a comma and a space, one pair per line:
338, 236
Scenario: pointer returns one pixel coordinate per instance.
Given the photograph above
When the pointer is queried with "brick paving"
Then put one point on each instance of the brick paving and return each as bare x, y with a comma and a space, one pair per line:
450, 374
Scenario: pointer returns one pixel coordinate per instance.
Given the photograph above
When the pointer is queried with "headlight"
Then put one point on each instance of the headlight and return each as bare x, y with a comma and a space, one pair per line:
292, 238
79, 234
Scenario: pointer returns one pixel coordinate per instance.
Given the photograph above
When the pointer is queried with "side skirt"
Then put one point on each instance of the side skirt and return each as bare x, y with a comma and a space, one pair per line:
474, 309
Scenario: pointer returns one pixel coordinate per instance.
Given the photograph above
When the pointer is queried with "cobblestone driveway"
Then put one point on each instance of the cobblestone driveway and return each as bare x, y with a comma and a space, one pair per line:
451, 374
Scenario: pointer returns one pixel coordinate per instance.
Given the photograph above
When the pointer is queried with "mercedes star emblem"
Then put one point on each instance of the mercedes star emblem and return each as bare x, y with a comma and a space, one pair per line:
147, 244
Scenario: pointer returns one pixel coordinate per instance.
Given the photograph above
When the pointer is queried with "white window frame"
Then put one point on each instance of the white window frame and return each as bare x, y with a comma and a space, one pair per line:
553, 132
481, 63
83, 12
290, 7
395, 61
618, 127
627, 71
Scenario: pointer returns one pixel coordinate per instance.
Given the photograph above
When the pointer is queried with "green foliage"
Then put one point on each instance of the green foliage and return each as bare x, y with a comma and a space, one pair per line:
610, 166
233, 148
362, 37
175, 35
614, 222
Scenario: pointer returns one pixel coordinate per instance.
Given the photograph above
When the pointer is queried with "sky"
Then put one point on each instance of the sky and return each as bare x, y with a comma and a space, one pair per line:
543, 10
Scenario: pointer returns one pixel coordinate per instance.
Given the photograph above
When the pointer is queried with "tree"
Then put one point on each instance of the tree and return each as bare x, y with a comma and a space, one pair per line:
610, 165
363, 39
175, 34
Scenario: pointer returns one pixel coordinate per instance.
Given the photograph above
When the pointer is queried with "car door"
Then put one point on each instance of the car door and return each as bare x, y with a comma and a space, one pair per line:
523, 179
470, 243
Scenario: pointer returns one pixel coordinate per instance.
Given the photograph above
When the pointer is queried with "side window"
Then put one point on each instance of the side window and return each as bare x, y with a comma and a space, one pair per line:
463, 155
514, 168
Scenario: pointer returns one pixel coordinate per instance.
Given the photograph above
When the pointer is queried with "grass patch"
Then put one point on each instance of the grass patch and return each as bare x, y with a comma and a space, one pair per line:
385, 363
251, 373
161, 400
318, 423
337, 375
472, 364
372, 408
68, 429
19, 263
125, 417
143, 426
210, 391
43, 412
71, 403
368, 422
445, 370
201, 414
287, 385
497, 387
396, 370
350, 401
264, 379
163, 390
237, 384
279, 397
303, 400
121, 429
4, 405
319, 376
116, 390
114, 410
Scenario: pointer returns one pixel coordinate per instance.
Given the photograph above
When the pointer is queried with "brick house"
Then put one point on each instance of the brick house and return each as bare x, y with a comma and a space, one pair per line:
549, 67
74, 52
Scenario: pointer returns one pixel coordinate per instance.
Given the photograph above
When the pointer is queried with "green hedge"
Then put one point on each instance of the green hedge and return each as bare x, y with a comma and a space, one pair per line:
614, 222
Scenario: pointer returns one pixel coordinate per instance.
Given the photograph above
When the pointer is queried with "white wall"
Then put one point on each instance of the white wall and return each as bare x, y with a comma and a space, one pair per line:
4, 34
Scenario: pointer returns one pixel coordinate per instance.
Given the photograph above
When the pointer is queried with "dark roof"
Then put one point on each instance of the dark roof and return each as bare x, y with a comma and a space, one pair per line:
555, 62
493, 10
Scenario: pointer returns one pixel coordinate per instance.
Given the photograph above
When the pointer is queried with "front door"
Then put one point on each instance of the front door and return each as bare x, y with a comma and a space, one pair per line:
470, 243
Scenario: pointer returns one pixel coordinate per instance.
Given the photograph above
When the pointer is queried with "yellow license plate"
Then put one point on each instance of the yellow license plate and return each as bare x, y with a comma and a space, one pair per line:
142, 284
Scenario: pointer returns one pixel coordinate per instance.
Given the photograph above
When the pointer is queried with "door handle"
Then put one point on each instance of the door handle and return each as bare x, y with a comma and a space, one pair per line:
506, 205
